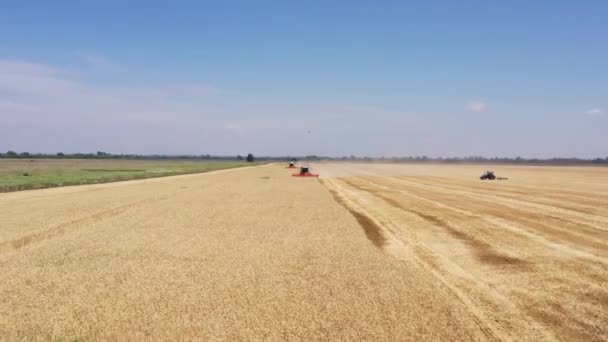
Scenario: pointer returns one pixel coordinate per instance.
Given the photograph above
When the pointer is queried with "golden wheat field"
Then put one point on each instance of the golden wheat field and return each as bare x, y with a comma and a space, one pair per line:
526, 257
366, 252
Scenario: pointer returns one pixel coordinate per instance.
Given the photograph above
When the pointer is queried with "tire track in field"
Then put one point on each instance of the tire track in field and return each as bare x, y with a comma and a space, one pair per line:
65, 227
588, 219
525, 238
458, 281
483, 250
403, 251
585, 204
562, 199
562, 305
579, 285
372, 229
476, 297
460, 197
563, 229
505, 225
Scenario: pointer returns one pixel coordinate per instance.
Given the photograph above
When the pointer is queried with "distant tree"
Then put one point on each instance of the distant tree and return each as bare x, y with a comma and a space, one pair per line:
60, 154
24, 155
11, 154
250, 157
239, 157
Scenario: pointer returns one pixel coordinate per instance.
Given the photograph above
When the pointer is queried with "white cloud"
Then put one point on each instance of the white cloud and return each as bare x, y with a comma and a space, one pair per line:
55, 94
476, 106
34, 80
595, 112
25, 67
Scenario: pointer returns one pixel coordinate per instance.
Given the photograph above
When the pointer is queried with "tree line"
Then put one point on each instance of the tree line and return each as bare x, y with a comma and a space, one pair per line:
249, 157
104, 155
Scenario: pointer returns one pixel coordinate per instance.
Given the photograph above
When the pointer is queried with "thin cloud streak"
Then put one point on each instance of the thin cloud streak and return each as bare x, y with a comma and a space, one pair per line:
476, 106
596, 112
98, 61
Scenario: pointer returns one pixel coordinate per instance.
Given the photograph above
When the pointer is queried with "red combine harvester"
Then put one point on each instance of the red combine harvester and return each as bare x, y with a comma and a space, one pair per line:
305, 172
292, 165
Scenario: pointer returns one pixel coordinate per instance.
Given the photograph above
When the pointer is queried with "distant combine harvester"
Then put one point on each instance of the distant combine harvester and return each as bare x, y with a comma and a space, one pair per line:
305, 172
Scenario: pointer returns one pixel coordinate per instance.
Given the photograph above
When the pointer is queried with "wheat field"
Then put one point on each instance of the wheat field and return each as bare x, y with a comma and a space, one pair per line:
367, 252
527, 257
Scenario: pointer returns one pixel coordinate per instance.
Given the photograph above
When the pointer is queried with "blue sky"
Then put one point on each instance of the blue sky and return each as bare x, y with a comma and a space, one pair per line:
490, 78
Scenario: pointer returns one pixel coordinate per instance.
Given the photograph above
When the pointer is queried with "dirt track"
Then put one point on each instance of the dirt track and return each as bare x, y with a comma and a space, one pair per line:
257, 254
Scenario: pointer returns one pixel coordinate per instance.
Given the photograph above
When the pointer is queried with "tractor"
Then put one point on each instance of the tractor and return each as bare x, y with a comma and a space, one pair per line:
489, 175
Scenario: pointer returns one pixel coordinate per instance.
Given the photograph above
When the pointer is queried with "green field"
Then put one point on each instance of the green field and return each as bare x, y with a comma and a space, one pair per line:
23, 174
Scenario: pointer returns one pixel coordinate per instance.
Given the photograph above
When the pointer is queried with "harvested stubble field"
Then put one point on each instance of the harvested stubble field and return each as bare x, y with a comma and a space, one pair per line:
526, 258
373, 252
